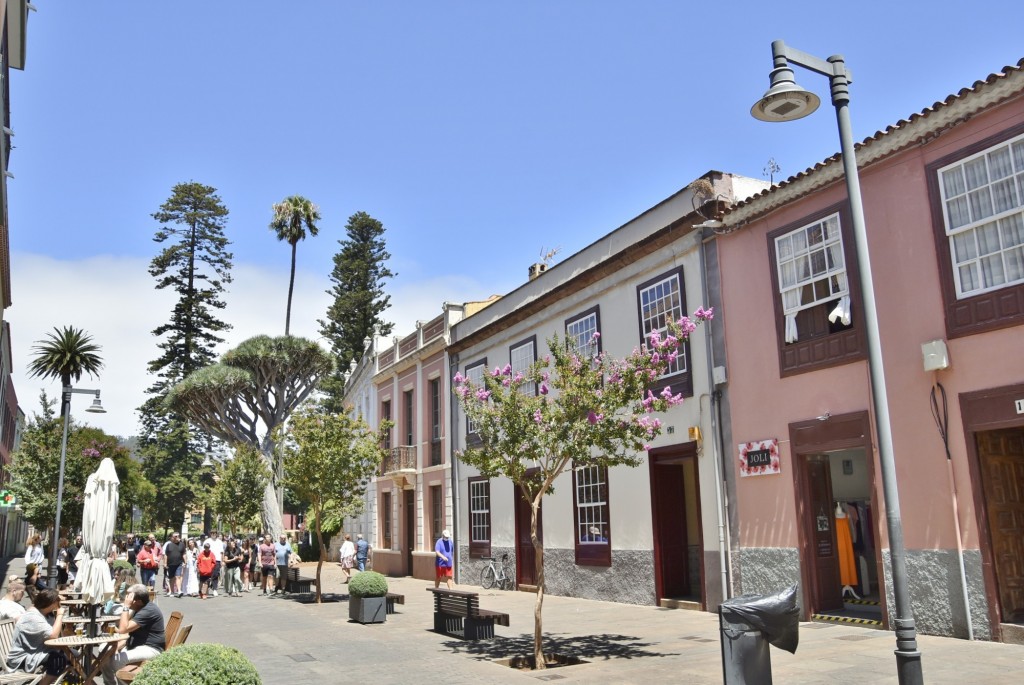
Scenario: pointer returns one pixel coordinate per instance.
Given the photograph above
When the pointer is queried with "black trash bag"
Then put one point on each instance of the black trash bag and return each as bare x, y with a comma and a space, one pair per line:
774, 615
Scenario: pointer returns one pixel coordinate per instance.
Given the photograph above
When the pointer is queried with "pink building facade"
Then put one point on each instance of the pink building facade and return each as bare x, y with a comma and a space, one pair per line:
412, 493
944, 208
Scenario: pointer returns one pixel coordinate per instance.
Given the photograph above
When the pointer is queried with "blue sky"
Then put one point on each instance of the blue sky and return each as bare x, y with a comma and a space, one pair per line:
480, 133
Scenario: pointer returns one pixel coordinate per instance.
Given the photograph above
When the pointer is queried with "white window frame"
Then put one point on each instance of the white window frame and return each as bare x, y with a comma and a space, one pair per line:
475, 374
590, 480
654, 296
581, 330
479, 511
811, 267
984, 218
521, 357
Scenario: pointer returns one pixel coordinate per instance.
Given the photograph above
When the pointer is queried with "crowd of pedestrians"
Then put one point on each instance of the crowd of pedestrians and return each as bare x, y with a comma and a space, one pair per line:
206, 567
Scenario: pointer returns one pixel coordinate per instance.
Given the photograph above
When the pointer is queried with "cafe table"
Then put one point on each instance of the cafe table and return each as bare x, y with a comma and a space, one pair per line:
75, 607
78, 649
72, 622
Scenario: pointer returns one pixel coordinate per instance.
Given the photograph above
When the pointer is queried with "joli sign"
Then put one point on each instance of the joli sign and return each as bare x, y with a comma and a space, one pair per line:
759, 458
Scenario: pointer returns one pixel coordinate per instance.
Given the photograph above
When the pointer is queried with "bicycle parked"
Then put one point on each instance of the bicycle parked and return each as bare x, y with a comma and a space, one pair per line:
499, 576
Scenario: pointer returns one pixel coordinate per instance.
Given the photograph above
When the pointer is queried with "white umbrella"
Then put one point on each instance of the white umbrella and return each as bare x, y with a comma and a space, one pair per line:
98, 521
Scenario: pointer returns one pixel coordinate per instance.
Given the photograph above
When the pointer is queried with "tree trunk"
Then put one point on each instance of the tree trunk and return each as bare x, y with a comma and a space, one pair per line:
270, 515
538, 547
322, 556
291, 287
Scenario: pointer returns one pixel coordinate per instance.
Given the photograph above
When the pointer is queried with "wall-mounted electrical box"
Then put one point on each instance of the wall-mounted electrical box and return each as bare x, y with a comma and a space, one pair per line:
936, 356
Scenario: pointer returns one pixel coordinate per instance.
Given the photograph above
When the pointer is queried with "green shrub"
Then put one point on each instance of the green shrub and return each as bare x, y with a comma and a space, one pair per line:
368, 584
199, 664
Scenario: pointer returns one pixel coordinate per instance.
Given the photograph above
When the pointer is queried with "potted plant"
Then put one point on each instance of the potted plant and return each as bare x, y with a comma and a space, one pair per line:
368, 597
201, 664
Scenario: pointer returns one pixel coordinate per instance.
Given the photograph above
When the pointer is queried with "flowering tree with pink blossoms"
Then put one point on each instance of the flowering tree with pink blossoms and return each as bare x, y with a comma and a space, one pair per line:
569, 409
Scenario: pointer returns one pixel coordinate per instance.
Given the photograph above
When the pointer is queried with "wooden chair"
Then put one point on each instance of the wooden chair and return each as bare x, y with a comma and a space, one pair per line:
15, 677
182, 636
172, 638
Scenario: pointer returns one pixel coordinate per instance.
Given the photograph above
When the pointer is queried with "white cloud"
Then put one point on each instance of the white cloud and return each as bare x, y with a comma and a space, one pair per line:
114, 300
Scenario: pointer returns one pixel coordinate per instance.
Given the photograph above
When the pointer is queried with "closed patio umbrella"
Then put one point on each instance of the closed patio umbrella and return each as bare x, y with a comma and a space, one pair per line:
98, 519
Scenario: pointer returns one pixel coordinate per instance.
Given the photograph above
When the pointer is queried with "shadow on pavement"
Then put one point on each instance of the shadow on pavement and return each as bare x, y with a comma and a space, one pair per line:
589, 647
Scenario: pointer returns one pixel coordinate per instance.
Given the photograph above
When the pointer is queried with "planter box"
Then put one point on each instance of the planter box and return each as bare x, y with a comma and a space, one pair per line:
367, 609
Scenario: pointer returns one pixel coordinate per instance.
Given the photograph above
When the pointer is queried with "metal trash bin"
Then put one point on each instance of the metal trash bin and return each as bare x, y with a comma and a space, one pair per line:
748, 624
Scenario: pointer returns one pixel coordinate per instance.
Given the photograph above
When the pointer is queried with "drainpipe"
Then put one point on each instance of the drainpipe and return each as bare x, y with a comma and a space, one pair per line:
453, 366
716, 446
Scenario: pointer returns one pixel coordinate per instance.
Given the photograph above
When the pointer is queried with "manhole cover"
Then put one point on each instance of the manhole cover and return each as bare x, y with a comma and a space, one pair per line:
301, 657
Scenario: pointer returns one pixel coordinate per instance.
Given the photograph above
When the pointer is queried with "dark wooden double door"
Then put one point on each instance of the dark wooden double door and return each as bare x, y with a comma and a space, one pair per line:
1001, 457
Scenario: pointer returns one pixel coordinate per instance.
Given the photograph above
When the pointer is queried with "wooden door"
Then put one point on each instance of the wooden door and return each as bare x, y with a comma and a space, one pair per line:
820, 552
1001, 454
410, 527
526, 555
673, 572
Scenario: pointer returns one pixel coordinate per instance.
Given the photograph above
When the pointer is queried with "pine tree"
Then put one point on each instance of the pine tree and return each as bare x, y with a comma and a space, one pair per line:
196, 264
359, 300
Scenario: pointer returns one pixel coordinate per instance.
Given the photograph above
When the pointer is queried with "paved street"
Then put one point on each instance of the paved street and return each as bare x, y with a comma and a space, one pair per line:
293, 643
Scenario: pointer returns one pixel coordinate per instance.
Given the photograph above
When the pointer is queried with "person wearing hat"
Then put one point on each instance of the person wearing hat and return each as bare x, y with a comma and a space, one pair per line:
205, 565
444, 551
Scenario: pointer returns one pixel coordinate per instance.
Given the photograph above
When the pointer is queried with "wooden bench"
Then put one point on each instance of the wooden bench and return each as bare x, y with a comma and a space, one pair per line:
458, 613
298, 584
393, 598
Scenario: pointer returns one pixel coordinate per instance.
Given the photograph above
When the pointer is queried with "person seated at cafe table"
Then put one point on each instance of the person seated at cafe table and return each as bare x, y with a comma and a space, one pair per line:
143, 622
44, 621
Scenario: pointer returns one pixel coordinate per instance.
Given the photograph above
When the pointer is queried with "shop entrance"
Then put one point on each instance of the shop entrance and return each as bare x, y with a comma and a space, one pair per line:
1001, 457
678, 540
838, 553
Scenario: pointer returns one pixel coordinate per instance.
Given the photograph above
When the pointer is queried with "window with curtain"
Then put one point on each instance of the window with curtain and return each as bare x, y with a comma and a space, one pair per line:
812, 273
436, 511
435, 422
409, 418
593, 530
983, 212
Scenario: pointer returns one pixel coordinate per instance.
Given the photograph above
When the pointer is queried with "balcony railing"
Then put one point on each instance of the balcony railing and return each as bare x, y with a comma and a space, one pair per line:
400, 458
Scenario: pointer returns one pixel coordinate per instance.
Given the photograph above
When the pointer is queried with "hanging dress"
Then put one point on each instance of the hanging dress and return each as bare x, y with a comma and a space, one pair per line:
844, 544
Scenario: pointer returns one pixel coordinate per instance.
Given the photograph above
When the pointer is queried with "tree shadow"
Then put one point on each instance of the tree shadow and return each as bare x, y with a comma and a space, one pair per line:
590, 647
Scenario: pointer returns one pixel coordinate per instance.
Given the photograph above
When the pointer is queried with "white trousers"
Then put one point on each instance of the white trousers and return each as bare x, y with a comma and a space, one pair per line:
123, 658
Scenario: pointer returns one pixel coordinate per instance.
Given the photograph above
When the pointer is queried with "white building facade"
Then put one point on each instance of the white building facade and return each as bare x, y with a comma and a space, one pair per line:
661, 524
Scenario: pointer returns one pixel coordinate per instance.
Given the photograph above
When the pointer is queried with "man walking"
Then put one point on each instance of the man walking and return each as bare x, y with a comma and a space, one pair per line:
282, 550
362, 552
217, 547
174, 555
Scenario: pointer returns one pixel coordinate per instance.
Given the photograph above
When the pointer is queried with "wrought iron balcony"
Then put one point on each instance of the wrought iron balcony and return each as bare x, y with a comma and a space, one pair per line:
401, 458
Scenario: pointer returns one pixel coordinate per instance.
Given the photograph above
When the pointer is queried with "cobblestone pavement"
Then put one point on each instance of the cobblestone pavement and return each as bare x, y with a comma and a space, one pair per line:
295, 643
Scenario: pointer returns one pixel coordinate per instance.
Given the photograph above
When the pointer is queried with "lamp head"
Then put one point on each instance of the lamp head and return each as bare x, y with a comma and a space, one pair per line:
785, 100
96, 407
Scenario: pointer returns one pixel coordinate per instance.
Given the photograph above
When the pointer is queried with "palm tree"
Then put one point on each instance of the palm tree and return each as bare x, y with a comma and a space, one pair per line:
66, 354
293, 216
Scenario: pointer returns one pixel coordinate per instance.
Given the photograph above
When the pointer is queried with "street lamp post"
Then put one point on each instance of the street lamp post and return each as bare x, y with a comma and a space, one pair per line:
786, 101
95, 408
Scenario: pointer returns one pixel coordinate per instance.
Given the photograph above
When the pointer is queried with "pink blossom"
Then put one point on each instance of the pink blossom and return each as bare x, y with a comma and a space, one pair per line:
538, 417
506, 382
686, 325
595, 337
496, 372
593, 418
615, 378
655, 338
543, 388
647, 448
666, 394
655, 358
507, 370
544, 376
458, 378
482, 394
518, 378
704, 314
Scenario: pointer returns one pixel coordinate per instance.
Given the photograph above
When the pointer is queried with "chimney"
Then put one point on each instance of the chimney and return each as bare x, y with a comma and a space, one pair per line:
537, 269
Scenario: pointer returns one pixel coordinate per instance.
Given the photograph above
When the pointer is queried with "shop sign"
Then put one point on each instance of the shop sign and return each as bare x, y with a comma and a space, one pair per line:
759, 458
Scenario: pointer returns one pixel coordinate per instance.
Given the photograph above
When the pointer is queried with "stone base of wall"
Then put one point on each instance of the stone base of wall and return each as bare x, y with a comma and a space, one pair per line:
936, 592
629, 580
767, 570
